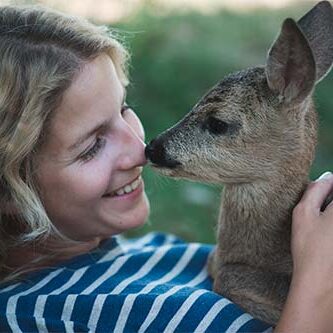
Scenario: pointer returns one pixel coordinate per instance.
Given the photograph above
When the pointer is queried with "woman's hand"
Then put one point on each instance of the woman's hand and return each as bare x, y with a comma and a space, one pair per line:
309, 304
312, 234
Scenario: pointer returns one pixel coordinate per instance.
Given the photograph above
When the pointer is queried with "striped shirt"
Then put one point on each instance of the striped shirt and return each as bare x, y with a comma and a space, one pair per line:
156, 283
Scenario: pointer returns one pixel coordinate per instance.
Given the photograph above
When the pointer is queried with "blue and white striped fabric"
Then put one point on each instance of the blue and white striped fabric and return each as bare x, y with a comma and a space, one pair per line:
156, 283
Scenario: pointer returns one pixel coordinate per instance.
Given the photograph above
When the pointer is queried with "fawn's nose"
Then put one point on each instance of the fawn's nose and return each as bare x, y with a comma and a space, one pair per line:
156, 153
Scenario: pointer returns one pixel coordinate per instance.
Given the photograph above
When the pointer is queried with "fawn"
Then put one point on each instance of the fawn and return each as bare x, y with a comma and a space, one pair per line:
255, 132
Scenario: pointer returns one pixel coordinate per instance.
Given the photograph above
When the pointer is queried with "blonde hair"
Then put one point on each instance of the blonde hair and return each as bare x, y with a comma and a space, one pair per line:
41, 50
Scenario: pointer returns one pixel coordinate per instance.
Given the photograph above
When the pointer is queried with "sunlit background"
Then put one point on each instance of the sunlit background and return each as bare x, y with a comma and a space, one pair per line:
111, 11
180, 48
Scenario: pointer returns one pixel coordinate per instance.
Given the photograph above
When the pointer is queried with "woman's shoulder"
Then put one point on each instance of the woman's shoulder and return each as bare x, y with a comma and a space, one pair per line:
151, 283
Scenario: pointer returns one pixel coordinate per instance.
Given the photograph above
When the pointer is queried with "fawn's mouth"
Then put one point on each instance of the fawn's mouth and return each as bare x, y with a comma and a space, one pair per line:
172, 165
163, 167
177, 172
164, 170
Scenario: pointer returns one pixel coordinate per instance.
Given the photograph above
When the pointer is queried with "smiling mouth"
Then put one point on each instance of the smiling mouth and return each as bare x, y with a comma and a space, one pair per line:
125, 189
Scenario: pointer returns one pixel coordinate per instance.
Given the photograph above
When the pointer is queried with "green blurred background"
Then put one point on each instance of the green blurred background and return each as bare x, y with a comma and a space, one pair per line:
177, 55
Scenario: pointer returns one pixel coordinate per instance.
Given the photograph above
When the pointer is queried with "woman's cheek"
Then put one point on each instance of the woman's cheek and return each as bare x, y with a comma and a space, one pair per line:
96, 174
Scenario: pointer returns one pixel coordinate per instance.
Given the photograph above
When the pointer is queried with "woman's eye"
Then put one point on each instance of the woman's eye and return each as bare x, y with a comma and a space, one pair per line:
216, 126
93, 151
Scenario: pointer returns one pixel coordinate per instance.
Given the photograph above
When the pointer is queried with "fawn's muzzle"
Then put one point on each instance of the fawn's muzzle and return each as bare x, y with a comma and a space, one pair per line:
156, 153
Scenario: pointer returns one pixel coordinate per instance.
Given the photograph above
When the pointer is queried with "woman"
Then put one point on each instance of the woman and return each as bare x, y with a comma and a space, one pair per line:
72, 153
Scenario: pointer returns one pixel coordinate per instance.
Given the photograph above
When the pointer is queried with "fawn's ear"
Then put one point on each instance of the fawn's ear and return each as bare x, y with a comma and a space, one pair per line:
290, 67
317, 27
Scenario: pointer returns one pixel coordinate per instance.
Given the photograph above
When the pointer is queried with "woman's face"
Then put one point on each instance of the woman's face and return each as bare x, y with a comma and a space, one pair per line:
90, 167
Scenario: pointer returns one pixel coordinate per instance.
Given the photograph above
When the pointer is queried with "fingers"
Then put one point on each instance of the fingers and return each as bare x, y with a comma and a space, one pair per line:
316, 193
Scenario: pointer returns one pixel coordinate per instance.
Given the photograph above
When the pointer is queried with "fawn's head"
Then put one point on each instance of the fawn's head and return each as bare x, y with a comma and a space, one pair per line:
254, 122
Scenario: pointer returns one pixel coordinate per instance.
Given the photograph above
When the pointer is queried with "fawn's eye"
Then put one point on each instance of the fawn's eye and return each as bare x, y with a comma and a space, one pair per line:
216, 126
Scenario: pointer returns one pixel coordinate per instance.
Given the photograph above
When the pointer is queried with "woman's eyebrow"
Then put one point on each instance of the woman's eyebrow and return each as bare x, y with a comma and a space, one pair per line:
98, 128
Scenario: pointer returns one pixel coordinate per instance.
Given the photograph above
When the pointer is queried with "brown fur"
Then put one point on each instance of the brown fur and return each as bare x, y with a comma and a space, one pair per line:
255, 132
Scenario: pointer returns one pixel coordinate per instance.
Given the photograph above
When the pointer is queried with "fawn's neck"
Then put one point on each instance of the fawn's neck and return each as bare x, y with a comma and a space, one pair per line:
255, 222
255, 218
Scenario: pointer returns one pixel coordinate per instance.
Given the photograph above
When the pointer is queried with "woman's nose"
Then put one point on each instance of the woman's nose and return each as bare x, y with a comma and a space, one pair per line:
133, 149
134, 122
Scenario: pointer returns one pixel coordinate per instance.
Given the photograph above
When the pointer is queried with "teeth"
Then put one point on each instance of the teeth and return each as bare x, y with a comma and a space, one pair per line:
120, 192
135, 184
129, 188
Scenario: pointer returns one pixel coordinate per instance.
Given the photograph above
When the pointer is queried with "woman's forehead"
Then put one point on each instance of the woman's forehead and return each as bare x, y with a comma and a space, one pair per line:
96, 92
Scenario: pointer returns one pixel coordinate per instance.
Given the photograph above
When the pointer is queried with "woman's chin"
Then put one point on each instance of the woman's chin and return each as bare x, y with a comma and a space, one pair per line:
135, 218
